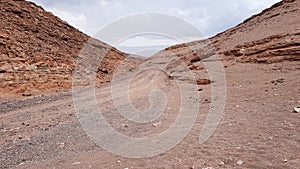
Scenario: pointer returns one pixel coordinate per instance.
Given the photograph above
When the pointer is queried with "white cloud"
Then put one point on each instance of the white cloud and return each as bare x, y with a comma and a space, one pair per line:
256, 5
77, 20
138, 41
210, 17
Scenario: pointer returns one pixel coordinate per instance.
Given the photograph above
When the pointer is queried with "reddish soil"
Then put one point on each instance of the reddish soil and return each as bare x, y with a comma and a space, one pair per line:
258, 128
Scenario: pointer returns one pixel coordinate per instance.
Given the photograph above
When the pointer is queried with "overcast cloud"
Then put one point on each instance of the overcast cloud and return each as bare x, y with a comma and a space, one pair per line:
209, 16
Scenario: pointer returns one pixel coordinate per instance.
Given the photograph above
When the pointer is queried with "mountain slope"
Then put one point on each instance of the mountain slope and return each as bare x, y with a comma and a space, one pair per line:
38, 50
271, 36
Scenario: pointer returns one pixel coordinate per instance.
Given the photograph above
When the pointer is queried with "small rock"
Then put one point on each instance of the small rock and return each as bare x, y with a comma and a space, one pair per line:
203, 82
38, 102
61, 145
156, 124
26, 94
281, 80
125, 125
275, 82
76, 163
207, 101
118, 161
22, 163
297, 109
285, 160
240, 162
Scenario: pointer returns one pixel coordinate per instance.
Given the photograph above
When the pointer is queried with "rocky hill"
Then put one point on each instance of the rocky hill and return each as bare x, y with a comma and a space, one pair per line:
270, 36
38, 50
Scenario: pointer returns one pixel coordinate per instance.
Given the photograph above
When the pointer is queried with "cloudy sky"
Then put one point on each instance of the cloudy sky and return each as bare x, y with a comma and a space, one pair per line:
208, 16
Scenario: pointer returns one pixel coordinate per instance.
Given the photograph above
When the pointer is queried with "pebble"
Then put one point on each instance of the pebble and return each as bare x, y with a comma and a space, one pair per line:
26, 94
221, 163
155, 124
297, 109
240, 162
38, 102
125, 125
61, 145
22, 163
285, 160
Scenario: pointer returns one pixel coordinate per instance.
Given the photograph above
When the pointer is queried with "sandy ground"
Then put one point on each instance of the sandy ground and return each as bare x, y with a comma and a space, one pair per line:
258, 128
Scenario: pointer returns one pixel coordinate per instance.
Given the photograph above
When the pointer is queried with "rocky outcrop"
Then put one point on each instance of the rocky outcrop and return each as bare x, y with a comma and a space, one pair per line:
270, 36
38, 51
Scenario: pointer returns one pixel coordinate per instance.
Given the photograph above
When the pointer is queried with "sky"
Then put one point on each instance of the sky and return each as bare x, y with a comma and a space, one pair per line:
208, 16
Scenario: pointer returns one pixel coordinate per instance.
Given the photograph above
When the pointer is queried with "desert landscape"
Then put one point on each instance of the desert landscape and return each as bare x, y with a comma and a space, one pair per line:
259, 128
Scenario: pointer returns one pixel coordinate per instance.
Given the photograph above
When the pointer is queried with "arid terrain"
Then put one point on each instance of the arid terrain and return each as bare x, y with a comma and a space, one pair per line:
39, 124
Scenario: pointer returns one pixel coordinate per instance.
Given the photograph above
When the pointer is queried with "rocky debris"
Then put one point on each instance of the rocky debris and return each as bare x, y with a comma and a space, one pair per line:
276, 82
